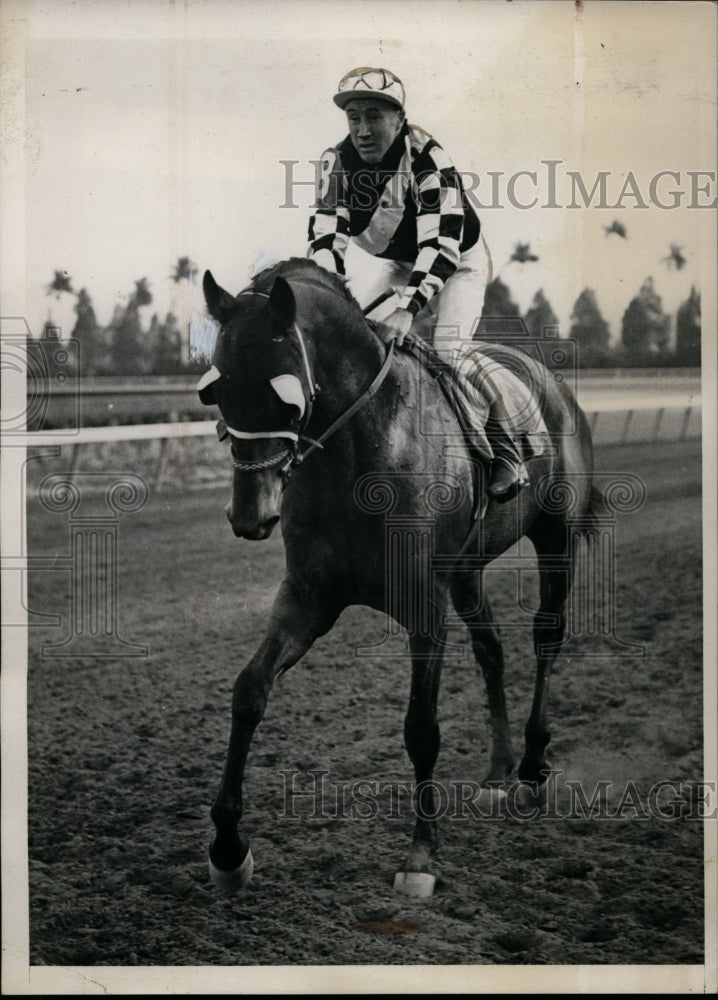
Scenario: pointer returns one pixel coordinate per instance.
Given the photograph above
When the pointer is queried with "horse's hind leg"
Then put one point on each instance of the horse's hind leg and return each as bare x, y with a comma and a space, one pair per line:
421, 737
555, 576
472, 605
297, 619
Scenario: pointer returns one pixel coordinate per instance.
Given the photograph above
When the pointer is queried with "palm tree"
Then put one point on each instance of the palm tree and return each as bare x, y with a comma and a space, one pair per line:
675, 257
522, 255
62, 282
616, 227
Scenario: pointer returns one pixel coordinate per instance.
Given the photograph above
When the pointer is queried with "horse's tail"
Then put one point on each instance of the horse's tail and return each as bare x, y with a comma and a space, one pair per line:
595, 506
595, 503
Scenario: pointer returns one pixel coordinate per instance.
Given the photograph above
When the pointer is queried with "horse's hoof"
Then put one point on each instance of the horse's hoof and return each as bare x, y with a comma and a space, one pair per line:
233, 881
494, 790
530, 795
420, 885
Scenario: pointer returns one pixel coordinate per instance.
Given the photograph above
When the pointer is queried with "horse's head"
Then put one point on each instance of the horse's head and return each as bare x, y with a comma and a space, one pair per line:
262, 383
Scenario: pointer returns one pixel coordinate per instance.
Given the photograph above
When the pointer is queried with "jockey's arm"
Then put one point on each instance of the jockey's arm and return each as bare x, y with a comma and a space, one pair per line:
439, 228
329, 226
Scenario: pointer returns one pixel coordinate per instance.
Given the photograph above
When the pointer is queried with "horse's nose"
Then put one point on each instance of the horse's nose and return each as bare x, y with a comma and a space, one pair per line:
229, 511
255, 528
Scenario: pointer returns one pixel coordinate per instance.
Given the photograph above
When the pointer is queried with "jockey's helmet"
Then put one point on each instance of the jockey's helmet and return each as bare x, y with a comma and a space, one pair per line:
366, 81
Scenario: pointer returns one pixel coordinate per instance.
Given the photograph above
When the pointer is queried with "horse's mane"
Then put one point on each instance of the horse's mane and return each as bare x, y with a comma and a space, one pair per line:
303, 268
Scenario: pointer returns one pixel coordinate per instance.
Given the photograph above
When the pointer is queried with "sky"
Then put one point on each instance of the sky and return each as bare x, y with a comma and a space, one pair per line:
155, 130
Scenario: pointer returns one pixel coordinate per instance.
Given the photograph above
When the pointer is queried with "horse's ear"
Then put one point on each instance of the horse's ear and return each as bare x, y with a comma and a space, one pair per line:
282, 301
218, 301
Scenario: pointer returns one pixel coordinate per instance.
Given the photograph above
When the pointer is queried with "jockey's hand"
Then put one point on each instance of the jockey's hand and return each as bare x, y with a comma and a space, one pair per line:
395, 326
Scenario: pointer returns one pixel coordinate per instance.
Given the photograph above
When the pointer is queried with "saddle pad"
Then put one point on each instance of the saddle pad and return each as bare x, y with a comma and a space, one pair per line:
476, 379
482, 378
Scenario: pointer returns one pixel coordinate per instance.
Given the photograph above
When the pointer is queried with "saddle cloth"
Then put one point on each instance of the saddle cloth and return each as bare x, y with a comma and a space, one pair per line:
476, 379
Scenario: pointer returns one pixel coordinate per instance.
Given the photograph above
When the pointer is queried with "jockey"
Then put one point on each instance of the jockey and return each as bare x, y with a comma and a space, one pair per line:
391, 188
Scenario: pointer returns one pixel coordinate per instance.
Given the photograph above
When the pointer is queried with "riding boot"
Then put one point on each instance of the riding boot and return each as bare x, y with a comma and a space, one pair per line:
508, 474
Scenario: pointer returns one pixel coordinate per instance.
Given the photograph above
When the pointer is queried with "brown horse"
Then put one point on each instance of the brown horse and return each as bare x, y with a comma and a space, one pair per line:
297, 361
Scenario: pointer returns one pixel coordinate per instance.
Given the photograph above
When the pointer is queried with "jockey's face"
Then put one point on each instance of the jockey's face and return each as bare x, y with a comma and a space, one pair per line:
373, 126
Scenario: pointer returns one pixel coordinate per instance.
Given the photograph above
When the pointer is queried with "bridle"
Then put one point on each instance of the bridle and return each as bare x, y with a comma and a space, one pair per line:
296, 457
292, 457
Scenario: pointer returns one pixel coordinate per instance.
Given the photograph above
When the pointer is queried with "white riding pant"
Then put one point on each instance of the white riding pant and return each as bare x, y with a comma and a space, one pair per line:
453, 314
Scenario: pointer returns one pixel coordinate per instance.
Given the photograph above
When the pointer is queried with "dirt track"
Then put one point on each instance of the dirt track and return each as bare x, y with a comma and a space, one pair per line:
125, 756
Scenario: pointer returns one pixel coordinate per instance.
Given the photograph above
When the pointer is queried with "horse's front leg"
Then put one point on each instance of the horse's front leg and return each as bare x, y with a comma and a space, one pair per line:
297, 619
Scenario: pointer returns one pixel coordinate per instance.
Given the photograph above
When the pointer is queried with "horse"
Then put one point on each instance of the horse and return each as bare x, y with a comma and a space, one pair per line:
325, 432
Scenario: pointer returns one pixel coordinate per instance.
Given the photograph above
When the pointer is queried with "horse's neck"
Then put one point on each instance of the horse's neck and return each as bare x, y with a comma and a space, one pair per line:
347, 357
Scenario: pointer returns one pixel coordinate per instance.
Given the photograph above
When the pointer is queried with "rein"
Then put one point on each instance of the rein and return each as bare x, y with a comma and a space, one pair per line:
298, 457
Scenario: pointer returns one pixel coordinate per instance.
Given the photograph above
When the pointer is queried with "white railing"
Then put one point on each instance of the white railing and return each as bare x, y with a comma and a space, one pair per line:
629, 409
602, 395
609, 426
611, 422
